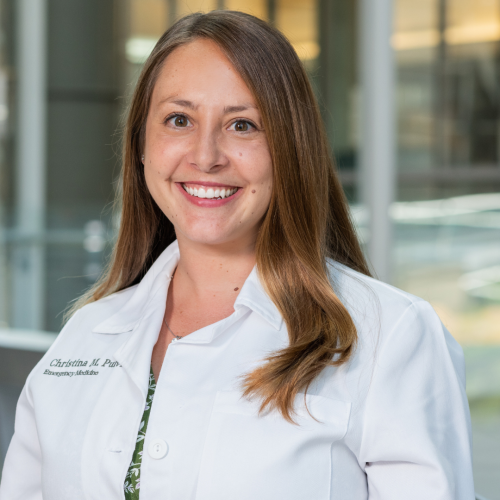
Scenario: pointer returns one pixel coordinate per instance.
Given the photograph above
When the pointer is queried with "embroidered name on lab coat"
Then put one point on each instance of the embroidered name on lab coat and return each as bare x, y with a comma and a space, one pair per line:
76, 363
70, 374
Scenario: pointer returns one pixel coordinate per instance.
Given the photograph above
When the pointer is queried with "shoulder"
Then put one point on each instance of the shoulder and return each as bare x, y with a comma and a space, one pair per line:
397, 332
80, 326
77, 339
94, 313
386, 315
363, 295
351, 285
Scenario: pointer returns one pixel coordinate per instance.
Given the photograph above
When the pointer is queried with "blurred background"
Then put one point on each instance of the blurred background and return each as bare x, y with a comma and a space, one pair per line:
410, 94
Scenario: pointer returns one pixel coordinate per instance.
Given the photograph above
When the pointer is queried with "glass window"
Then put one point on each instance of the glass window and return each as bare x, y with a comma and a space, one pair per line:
258, 8
185, 7
6, 155
297, 19
415, 39
447, 219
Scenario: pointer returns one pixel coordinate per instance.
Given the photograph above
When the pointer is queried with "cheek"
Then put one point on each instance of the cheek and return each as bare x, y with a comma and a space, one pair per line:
256, 166
261, 192
162, 150
152, 178
156, 185
162, 157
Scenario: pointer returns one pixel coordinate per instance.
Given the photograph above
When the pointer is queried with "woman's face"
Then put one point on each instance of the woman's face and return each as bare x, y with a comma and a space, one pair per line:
207, 162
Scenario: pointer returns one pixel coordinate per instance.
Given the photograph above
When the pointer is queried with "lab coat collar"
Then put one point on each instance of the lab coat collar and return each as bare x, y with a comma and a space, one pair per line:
129, 315
252, 295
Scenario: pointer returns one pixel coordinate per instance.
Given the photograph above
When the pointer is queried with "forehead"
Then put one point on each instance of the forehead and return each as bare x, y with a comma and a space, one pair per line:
200, 72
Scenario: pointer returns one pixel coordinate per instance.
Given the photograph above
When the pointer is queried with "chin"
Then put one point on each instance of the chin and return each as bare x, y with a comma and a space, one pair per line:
205, 237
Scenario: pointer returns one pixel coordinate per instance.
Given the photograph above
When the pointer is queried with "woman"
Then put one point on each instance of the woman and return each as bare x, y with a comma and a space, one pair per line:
237, 347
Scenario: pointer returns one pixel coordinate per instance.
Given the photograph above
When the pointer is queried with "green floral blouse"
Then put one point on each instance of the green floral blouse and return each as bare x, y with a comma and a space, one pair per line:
133, 479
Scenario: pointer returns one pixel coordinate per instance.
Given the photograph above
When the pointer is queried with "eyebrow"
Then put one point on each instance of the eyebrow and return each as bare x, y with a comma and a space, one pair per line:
190, 105
180, 102
238, 109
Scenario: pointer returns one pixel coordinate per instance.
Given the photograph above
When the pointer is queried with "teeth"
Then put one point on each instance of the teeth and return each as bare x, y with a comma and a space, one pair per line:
210, 192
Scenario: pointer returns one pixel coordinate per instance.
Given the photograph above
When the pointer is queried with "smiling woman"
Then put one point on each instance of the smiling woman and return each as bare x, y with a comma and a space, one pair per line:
205, 113
252, 355
204, 135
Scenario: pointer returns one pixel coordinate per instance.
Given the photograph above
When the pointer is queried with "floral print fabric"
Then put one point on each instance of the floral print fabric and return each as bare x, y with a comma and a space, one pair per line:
133, 478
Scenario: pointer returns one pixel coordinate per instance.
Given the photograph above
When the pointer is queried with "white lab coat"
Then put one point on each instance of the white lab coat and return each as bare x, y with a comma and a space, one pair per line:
392, 424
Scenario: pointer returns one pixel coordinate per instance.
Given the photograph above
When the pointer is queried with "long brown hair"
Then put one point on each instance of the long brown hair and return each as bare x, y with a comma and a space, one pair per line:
307, 221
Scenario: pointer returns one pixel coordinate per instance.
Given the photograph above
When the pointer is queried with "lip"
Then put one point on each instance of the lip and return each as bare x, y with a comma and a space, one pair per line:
207, 184
207, 202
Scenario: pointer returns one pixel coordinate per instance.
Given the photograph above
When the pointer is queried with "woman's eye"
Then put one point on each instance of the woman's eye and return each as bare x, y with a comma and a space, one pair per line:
179, 121
242, 126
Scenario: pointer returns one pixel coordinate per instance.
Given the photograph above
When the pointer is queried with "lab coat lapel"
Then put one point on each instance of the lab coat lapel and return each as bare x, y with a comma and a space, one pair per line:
115, 420
135, 355
126, 319
143, 315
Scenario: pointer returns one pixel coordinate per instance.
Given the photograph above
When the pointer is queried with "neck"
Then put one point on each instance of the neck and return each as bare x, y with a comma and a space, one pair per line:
214, 269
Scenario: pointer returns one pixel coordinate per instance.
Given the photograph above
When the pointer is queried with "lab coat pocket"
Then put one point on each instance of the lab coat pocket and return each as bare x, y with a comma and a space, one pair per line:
248, 456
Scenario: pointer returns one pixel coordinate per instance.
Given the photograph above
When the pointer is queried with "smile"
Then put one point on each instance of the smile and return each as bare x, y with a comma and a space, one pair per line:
218, 193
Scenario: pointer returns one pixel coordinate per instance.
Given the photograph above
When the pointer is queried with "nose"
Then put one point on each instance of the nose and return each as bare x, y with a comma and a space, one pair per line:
206, 153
